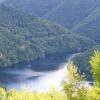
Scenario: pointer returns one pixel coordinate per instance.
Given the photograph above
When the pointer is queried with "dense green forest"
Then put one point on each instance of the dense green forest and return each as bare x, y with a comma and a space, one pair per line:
24, 38
72, 86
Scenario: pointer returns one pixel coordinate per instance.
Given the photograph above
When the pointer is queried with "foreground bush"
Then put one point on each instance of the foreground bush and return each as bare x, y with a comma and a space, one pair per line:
27, 95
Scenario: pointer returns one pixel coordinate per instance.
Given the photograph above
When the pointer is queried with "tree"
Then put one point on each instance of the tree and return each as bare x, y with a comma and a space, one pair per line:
95, 66
72, 86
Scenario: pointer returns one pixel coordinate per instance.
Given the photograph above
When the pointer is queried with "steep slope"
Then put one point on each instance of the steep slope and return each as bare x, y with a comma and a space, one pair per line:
90, 26
82, 60
72, 12
66, 12
25, 37
37, 7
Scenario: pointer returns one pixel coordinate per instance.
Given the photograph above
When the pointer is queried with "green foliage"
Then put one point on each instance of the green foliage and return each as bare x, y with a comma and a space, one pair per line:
72, 84
28, 95
95, 64
74, 90
73, 75
2, 94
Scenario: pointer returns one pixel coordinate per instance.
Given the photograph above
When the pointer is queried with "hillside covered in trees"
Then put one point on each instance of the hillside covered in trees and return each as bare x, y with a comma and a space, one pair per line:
24, 37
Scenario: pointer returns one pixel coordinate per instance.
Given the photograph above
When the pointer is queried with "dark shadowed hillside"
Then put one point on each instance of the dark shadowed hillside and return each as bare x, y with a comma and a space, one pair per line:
71, 12
90, 26
65, 12
37, 7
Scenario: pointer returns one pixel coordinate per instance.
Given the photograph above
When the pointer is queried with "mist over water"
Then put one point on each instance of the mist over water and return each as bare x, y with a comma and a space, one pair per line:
41, 83
28, 78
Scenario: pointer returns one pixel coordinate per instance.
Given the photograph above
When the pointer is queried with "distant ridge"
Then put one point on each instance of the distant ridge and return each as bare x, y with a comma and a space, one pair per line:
65, 12
90, 26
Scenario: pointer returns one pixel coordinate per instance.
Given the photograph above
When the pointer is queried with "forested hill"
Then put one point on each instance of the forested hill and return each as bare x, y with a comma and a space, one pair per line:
24, 37
65, 12
90, 26
81, 16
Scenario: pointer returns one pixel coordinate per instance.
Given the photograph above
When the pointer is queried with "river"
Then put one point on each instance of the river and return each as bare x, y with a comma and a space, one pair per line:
28, 78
